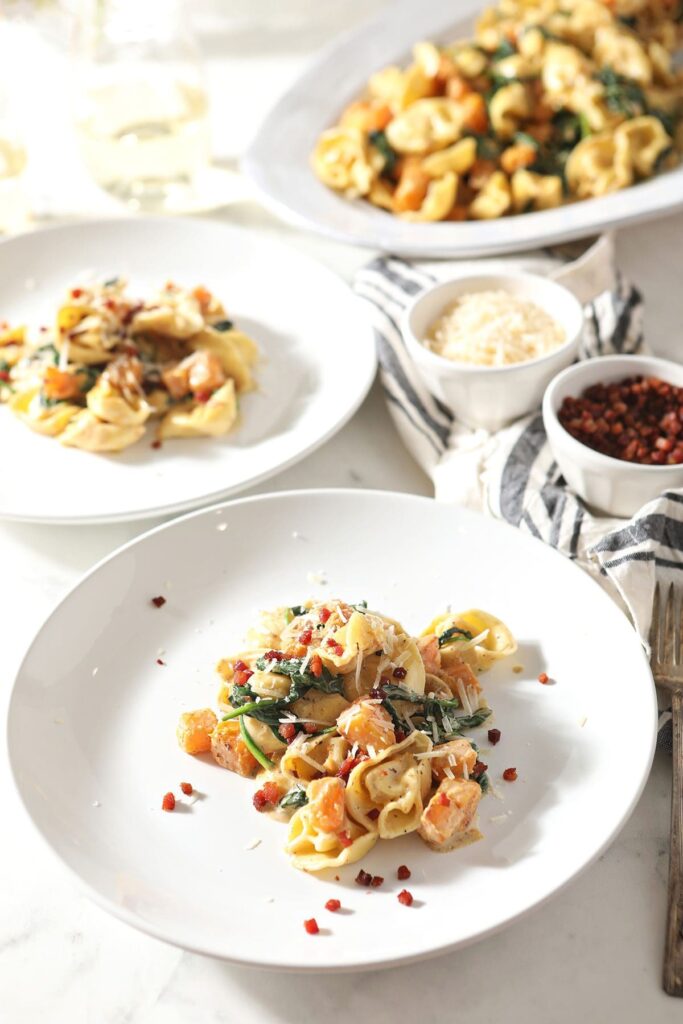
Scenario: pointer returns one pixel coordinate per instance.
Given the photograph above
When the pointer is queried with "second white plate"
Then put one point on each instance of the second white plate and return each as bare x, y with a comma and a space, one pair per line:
318, 363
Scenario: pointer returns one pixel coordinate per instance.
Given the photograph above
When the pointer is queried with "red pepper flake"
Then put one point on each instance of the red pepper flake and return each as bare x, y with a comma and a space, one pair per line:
400, 673
377, 880
373, 813
478, 769
187, 788
444, 800
288, 731
316, 666
168, 803
405, 897
306, 637
159, 602
333, 906
403, 873
544, 678
494, 736
324, 614
363, 878
311, 926
4, 375
156, 444
510, 774
160, 662
345, 839
274, 656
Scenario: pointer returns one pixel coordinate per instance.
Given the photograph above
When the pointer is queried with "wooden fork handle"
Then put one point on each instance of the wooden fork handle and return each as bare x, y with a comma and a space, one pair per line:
673, 955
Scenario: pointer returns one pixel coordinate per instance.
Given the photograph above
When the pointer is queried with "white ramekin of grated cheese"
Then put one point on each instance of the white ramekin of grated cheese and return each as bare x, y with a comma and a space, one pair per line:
489, 344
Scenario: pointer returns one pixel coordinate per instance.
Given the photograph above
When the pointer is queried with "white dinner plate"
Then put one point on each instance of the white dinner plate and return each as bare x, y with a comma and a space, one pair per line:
278, 161
318, 363
92, 728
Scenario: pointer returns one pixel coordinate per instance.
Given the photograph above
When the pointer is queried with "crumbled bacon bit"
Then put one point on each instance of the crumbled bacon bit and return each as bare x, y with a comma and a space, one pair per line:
373, 813
306, 637
187, 788
168, 803
400, 673
160, 661
203, 396
363, 878
544, 678
4, 375
400, 735
376, 693
478, 769
288, 731
316, 666
268, 795
494, 736
311, 727
349, 764
242, 676
377, 880
156, 444
405, 897
510, 774
324, 614
444, 800
344, 838
311, 926
333, 905
403, 873
76, 293
274, 656
159, 602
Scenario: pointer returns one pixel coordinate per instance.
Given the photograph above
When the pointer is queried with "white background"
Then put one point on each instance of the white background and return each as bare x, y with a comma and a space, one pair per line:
594, 953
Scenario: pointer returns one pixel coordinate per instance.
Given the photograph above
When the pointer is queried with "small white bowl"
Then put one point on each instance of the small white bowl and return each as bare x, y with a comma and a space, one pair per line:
610, 485
492, 396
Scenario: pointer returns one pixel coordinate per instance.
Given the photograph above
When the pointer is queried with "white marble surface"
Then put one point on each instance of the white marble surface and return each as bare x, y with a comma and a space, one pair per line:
593, 953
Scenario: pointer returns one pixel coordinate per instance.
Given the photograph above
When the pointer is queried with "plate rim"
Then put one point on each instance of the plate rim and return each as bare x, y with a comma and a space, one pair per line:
128, 917
255, 167
367, 374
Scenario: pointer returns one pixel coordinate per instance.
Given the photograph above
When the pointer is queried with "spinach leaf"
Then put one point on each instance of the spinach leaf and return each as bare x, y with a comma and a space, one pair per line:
526, 140
488, 148
506, 49
223, 325
296, 610
381, 143
292, 667
432, 715
51, 350
453, 634
295, 798
622, 94
110, 282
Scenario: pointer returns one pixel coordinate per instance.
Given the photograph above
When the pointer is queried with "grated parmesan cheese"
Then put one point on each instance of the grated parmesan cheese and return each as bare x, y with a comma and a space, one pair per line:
493, 328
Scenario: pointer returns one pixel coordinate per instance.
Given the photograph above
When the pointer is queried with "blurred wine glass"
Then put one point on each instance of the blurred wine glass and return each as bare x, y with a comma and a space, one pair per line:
141, 108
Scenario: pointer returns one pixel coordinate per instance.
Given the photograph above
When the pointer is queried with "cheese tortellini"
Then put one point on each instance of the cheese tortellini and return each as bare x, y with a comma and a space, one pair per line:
356, 727
544, 106
111, 364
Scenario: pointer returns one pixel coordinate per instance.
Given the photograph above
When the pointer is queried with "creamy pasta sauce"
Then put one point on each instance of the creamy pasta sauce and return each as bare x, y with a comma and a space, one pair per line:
493, 328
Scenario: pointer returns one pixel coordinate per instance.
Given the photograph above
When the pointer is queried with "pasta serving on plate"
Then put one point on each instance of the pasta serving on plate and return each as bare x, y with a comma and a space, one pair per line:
551, 101
110, 363
355, 729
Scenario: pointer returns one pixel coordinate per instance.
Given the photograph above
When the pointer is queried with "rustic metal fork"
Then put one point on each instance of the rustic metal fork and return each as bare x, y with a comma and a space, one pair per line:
666, 640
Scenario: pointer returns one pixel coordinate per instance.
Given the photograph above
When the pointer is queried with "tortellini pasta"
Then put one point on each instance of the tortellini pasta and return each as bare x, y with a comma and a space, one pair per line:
112, 363
387, 793
311, 849
557, 79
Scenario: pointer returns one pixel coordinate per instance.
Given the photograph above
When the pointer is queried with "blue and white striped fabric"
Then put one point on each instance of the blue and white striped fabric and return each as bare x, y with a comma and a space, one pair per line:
512, 474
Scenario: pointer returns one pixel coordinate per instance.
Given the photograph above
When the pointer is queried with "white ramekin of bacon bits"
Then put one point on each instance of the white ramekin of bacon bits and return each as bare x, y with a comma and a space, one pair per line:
615, 426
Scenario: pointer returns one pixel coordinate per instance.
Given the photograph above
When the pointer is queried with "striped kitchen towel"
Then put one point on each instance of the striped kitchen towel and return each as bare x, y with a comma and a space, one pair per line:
512, 474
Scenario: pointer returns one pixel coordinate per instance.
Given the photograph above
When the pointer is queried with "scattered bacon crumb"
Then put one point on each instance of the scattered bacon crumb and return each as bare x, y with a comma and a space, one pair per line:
363, 878
156, 444
478, 769
160, 662
377, 880
333, 905
311, 926
324, 614
306, 637
76, 293
274, 656
403, 873
187, 788
510, 774
268, 795
159, 602
336, 878
316, 666
543, 678
345, 839
400, 673
400, 735
4, 375
444, 800
349, 764
168, 803
311, 727
494, 736
288, 731
203, 396
373, 813
405, 897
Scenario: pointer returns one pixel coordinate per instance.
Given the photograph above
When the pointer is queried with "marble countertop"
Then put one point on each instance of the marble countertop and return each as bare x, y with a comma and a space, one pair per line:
593, 952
